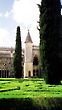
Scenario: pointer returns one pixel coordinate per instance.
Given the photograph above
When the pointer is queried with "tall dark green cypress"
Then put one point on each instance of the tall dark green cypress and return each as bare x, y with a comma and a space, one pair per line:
49, 22
18, 55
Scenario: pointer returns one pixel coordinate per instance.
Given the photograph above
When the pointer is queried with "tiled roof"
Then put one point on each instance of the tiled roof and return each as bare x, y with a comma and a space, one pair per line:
28, 38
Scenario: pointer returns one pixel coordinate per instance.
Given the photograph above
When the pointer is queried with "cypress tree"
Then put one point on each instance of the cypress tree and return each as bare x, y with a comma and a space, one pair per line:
18, 55
49, 22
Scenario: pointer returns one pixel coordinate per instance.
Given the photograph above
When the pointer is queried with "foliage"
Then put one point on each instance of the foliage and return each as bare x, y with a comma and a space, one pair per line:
29, 94
28, 88
49, 23
31, 104
18, 55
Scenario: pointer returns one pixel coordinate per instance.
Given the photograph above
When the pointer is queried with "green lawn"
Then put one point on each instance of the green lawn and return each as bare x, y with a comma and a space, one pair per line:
29, 94
28, 88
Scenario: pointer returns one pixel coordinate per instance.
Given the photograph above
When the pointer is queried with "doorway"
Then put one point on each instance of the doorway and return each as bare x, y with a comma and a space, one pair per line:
29, 73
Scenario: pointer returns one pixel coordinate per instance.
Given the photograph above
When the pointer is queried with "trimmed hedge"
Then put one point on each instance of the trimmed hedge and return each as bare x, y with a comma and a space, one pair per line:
11, 89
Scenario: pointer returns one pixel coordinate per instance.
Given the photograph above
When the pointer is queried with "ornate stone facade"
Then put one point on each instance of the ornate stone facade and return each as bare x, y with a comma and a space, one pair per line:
6, 62
30, 59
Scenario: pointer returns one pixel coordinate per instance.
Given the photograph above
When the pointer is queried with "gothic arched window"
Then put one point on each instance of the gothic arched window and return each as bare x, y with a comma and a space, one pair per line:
35, 60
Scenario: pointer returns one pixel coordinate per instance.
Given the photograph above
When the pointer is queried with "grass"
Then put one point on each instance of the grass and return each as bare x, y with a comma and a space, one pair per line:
29, 94
28, 88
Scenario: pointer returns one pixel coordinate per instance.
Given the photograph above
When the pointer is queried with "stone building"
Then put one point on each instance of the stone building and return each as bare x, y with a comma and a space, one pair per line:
6, 62
30, 59
31, 55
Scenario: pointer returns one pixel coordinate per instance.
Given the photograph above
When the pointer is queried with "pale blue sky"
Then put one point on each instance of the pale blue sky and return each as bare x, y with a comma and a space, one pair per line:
61, 1
5, 5
24, 13
14, 13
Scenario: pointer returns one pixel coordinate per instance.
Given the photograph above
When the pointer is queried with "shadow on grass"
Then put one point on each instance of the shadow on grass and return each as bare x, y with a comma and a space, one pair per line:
31, 104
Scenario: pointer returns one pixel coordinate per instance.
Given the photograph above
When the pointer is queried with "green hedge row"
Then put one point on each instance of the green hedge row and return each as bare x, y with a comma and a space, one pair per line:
31, 104
11, 89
